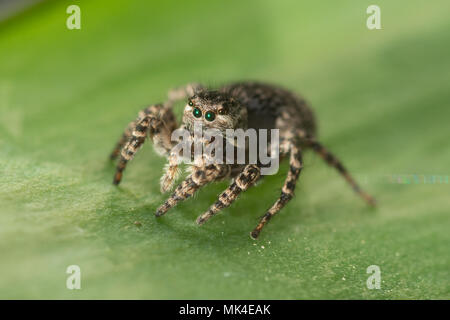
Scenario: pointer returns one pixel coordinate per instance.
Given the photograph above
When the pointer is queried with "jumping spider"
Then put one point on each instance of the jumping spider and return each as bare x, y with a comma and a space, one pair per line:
238, 105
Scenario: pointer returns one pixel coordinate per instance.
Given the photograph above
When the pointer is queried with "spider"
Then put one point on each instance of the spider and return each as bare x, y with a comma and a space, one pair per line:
237, 105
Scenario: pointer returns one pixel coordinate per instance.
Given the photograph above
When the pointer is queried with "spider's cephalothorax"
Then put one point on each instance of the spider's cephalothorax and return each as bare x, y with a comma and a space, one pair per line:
236, 106
214, 109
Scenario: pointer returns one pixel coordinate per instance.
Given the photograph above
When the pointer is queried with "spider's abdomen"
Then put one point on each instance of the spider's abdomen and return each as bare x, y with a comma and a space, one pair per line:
270, 107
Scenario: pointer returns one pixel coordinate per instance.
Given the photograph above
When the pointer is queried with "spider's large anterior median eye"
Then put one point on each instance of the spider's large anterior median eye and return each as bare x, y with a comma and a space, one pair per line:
197, 112
210, 116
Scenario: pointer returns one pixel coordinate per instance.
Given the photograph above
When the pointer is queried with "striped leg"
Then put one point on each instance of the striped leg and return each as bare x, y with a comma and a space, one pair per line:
160, 130
243, 181
157, 121
171, 173
334, 162
123, 140
287, 191
184, 92
199, 177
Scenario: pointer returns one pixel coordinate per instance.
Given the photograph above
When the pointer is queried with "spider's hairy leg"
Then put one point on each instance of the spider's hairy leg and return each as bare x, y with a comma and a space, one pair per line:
287, 191
171, 173
334, 162
199, 177
184, 92
157, 121
245, 179
123, 140
169, 124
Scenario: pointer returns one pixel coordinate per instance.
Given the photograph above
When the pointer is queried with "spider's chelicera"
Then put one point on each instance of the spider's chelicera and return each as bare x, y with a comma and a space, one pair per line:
231, 112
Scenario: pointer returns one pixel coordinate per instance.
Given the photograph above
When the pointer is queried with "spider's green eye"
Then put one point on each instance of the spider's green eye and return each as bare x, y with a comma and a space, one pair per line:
210, 116
190, 103
197, 113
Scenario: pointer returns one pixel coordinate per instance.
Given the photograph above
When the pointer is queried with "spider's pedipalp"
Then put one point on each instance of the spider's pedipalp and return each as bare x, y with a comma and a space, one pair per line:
171, 173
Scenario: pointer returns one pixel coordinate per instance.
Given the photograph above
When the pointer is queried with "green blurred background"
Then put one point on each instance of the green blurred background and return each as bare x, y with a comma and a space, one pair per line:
381, 97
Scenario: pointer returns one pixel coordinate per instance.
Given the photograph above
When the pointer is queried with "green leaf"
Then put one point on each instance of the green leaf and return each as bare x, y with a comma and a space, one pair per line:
381, 98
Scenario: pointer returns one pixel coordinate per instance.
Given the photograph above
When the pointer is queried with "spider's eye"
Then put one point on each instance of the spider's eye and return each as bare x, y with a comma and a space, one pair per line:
210, 116
221, 111
197, 112
190, 103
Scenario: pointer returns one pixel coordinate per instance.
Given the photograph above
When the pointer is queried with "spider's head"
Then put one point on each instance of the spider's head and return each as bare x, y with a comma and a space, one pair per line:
214, 110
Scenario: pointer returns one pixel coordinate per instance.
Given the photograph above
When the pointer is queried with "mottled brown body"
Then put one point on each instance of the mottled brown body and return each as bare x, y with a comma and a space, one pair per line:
236, 106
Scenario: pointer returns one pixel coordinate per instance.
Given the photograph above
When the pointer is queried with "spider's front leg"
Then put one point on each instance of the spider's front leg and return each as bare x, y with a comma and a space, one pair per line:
247, 178
157, 121
184, 92
200, 176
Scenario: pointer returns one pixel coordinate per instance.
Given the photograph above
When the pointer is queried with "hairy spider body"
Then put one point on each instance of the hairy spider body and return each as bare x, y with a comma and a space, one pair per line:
235, 106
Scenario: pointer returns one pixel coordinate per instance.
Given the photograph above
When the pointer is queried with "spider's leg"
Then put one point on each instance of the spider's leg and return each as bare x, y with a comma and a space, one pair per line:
248, 176
171, 173
158, 121
287, 191
122, 141
184, 92
198, 178
334, 162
